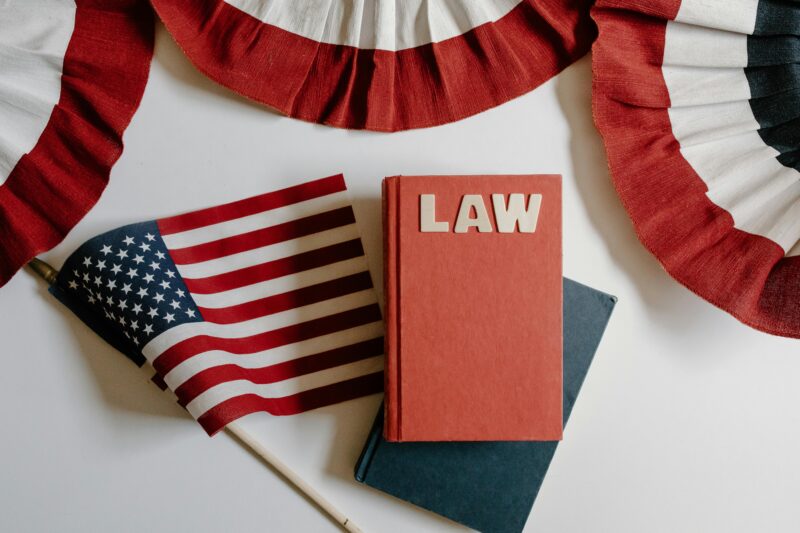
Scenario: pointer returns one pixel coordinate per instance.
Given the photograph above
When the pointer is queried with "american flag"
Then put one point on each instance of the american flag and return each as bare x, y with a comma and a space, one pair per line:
265, 304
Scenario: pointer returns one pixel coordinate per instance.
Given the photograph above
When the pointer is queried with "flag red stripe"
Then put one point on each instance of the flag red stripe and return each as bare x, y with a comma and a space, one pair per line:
251, 206
288, 300
226, 412
56, 183
185, 349
202, 381
277, 268
264, 237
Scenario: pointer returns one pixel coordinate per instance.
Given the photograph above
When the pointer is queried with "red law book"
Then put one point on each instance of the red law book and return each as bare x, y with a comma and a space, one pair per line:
473, 308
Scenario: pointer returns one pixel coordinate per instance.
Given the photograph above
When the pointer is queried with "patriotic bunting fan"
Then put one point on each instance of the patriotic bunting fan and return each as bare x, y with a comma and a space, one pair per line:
698, 102
380, 64
71, 75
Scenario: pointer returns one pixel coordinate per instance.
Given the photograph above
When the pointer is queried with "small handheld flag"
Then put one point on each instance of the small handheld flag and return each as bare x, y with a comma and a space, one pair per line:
265, 304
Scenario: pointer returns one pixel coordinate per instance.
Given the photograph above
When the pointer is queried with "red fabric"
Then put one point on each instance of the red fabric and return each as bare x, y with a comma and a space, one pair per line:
54, 185
377, 89
695, 240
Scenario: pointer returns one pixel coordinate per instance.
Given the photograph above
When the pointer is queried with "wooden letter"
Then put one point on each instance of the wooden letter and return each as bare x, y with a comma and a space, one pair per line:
464, 221
507, 218
427, 215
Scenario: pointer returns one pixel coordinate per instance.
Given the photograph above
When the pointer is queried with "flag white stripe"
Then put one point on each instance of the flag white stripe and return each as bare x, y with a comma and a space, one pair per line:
232, 389
257, 221
194, 365
281, 285
263, 324
265, 254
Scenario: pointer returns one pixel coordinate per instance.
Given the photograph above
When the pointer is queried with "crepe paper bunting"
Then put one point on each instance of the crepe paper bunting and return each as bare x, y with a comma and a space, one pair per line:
72, 76
380, 65
698, 102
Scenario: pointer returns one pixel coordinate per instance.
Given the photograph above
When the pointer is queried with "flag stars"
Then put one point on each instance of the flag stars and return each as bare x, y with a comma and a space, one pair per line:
164, 284
98, 281
86, 277
87, 261
148, 278
116, 269
170, 274
135, 341
190, 313
134, 325
132, 273
110, 300
152, 313
139, 259
175, 305
111, 284
169, 317
91, 298
101, 265
180, 293
155, 266
159, 297
144, 247
160, 255
73, 285
122, 254
126, 288
106, 250
123, 304
150, 237
148, 329
137, 308
122, 321
142, 292
128, 240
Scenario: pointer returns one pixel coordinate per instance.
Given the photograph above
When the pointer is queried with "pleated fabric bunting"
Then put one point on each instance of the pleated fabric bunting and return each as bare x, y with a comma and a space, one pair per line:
698, 102
380, 65
72, 75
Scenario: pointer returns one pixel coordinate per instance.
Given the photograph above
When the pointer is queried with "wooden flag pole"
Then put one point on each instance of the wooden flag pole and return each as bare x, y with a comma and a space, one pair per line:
48, 273
309, 491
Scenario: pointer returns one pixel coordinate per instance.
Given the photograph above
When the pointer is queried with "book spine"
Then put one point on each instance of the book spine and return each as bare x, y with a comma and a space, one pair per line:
391, 335
370, 447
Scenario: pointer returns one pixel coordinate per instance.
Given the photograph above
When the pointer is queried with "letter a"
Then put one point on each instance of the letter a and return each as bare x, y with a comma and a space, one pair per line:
464, 221
508, 217
427, 215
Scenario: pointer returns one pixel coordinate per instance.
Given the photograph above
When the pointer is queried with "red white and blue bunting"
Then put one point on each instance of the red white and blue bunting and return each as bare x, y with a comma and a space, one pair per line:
698, 102
71, 78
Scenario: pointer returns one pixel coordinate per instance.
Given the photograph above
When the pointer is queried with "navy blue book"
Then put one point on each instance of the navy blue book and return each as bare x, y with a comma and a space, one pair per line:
488, 486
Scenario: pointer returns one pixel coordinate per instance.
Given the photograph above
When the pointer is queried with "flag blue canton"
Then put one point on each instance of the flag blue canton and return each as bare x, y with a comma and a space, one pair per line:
126, 276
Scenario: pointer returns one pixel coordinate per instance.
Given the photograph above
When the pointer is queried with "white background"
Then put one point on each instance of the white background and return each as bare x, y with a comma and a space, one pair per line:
688, 420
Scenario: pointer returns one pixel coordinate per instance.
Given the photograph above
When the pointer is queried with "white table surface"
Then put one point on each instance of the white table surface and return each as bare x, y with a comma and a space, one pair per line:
688, 420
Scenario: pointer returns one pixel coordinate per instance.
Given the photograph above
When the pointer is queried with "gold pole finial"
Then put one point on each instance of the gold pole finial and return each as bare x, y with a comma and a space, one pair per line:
45, 271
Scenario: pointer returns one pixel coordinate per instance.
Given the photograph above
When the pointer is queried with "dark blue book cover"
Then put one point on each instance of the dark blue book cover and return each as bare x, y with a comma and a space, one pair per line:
488, 486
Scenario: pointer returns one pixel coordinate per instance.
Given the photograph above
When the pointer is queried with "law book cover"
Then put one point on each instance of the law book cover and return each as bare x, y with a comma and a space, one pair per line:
473, 308
488, 486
